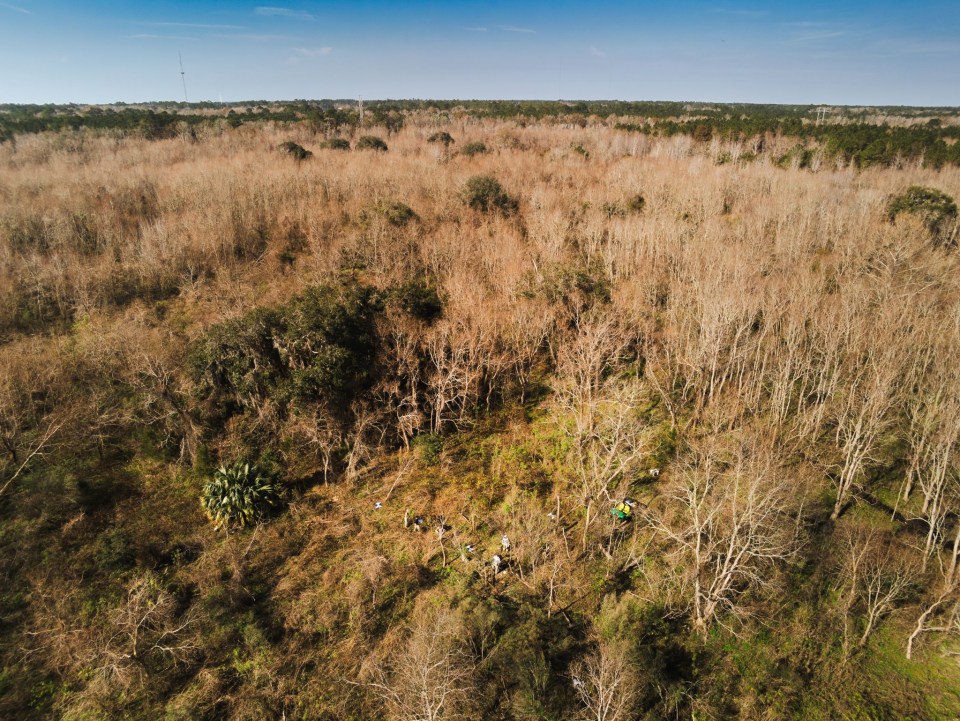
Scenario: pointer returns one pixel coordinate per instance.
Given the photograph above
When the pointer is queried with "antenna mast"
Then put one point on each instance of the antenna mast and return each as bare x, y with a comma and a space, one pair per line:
183, 77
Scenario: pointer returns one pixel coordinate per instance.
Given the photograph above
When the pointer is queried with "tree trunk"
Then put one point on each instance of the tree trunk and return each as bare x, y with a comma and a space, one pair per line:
871, 620
12, 450
837, 507
586, 525
952, 571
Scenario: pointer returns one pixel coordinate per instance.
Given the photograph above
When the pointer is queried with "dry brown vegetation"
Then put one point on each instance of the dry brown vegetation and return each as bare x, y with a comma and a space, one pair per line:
765, 337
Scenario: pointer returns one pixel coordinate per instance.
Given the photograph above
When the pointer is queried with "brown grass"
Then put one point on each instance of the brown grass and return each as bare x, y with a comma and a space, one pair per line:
757, 306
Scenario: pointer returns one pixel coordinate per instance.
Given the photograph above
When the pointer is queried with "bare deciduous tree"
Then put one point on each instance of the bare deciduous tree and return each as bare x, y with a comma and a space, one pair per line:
599, 408
608, 446
940, 484
876, 575
711, 314
16, 410
321, 434
606, 683
598, 346
364, 437
726, 523
862, 415
430, 677
952, 577
145, 631
29, 429
53, 632
526, 333
884, 584
155, 377
822, 368
40, 444
406, 339
145, 628
941, 615
451, 375
534, 540
922, 409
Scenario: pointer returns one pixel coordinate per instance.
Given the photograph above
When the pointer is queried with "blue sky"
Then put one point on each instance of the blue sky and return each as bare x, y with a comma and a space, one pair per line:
850, 52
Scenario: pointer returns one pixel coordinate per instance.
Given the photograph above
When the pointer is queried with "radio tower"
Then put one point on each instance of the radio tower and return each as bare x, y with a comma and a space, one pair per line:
183, 77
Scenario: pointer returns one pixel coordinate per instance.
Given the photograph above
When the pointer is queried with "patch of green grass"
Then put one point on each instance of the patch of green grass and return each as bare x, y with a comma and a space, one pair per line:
868, 515
428, 446
929, 679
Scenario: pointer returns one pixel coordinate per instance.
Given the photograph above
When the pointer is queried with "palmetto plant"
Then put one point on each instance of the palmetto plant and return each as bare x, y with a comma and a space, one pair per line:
238, 495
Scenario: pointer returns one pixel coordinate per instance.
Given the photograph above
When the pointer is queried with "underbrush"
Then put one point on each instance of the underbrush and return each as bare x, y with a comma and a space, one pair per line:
436, 369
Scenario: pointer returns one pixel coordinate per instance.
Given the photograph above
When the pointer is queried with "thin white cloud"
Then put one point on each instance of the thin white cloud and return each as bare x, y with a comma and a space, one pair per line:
741, 13
597, 53
476, 30
265, 37
283, 13
825, 35
151, 36
15, 8
920, 47
515, 29
313, 52
190, 25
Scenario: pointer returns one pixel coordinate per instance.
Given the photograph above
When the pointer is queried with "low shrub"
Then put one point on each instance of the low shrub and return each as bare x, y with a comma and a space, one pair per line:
442, 137
576, 288
318, 347
471, 149
799, 156
417, 298
336, 144
936, 209
236, 364
328, 342
114, 551
637, 203
428, 447
295, 150
613, 210
28, 234
372, 142
484, 193
396, 213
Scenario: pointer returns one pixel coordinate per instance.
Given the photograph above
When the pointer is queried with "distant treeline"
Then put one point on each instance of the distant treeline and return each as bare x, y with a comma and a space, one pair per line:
156, 123
163, 120
847, 131
863, 144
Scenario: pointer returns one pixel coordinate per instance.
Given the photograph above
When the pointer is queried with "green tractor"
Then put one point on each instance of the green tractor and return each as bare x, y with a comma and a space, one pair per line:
623, 511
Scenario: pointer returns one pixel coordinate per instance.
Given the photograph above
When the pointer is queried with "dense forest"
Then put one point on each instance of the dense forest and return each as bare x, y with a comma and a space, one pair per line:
479, 411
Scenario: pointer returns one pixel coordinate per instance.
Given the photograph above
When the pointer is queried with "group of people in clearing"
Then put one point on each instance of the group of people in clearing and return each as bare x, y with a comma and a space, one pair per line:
622, 511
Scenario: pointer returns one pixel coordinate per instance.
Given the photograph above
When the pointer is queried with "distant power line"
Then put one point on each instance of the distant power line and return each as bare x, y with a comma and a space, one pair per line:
183, 77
